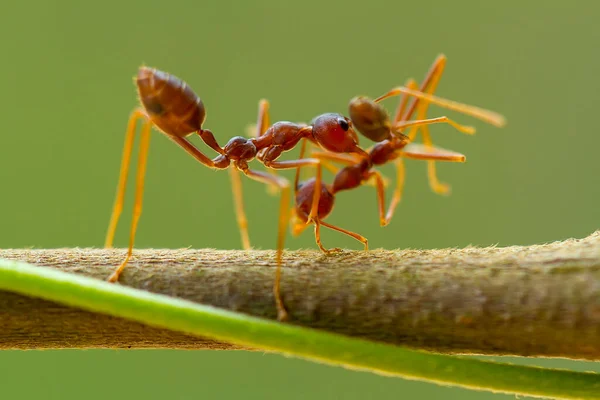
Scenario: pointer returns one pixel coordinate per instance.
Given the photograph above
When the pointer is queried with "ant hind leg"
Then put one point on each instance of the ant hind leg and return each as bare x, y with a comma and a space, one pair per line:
139, 190
121, 186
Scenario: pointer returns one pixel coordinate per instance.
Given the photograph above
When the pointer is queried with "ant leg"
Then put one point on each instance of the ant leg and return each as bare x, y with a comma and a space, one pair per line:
236, 183
402, 114
434, 73
125, 160
208, 138
263, 120
333, 169
356, 236
429, 86
399, 116
301, 157
434, 183
139, 193
193, 151
298, 226
469, 130
236, 187
346, 159
380, 188
314, 211
417, 151
414, 151
284, 187
318, 223
488, 116
397, 196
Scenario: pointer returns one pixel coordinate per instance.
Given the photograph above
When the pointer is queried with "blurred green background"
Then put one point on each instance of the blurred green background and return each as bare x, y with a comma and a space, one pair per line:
66, 91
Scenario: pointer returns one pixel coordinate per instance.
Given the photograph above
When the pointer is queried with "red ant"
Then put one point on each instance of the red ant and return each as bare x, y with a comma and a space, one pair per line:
372, 120
170, 105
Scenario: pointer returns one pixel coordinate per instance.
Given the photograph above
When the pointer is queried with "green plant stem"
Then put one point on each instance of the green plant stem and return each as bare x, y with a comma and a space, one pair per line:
529, 301
167, 312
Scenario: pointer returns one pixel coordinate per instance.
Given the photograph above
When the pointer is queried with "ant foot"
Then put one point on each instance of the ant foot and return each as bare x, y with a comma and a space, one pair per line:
332, 251
441, 188
114, 277
282, 315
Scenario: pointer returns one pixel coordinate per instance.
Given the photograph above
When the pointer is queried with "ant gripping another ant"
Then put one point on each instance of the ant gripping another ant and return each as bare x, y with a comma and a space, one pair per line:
171, 106
373, 122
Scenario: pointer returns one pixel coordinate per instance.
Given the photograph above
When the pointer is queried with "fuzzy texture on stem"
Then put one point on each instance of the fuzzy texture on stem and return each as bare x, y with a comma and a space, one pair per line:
530, 301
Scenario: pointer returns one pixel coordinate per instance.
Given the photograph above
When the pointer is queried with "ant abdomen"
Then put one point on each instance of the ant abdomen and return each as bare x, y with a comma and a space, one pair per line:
370, 118
169, 102
304, 200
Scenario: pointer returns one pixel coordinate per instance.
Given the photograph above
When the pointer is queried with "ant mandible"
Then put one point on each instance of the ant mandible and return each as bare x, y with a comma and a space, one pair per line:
171, 106
372, 120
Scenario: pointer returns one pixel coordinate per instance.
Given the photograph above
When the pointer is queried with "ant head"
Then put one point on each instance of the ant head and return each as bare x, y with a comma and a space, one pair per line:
240, 147
370, 118
304, 197
334, 132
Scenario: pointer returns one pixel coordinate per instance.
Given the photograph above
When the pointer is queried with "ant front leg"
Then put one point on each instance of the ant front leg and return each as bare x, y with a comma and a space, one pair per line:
284, 187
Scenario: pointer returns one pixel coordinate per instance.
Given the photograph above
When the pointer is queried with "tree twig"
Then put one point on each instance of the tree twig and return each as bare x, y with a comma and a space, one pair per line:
531, 301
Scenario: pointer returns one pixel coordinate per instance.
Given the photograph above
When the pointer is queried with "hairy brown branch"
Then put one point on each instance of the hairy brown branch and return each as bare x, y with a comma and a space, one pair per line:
532, 301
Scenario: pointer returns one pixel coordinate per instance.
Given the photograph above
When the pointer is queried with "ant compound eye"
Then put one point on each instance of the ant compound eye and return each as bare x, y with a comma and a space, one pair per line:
343, 124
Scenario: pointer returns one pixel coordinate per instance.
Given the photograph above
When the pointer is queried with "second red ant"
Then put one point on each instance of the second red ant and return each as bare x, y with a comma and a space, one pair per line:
372, 120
